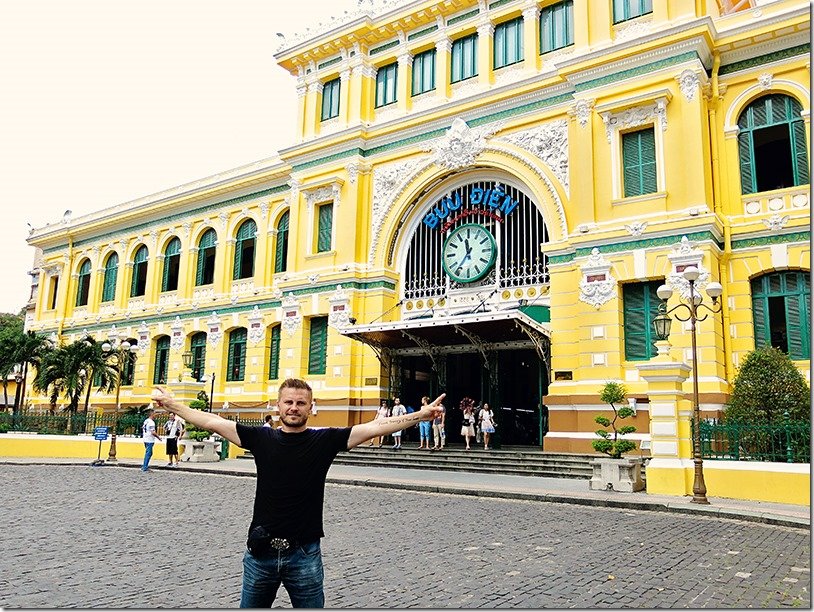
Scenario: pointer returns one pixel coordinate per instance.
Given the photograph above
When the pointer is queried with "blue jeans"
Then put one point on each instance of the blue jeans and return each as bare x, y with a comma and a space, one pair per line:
148, 452
424, 428
298, 568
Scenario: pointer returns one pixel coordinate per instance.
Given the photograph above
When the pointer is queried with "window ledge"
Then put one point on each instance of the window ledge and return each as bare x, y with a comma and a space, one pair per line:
659, 197
330, 253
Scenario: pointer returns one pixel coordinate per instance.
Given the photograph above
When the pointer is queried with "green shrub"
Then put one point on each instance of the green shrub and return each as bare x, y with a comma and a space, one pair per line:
198, 404
766, 386
614, 393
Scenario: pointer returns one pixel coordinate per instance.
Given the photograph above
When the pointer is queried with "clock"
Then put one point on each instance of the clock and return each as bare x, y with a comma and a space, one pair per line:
469, 252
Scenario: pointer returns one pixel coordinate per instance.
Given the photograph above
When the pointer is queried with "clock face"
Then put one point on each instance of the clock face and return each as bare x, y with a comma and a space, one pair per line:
469, 253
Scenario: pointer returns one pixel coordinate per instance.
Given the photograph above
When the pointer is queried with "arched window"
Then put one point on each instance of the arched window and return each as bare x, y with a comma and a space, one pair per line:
244, 250
83, 284
128, 367
780, 308
172, 262
162, 360
772, 144
281, 250
236, 366
205, 271
111, 270
197, 345
274, 353
139, 284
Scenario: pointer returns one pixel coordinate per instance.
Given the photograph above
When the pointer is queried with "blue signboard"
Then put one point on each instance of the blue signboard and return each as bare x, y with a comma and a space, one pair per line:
100, 433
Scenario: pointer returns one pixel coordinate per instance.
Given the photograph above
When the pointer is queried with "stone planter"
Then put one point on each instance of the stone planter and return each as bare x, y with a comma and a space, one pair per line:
198, 452
623, 475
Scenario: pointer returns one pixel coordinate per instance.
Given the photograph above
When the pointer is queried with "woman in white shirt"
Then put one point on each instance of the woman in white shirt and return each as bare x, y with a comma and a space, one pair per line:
487, 424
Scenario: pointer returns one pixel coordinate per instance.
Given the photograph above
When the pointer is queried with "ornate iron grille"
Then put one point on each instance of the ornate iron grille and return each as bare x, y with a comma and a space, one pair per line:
519, 236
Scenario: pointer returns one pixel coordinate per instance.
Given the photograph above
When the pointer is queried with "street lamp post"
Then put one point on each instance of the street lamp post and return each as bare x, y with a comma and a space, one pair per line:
690, 309
18, 378
120, 350
210, 379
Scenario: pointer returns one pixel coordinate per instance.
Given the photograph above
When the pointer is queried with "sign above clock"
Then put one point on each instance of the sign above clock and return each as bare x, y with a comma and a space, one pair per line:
490, 198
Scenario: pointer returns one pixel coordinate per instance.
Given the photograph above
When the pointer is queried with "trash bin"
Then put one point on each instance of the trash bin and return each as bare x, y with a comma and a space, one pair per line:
224, 449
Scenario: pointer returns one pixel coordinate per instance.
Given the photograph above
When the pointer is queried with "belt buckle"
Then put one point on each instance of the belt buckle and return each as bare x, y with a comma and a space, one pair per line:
279, 543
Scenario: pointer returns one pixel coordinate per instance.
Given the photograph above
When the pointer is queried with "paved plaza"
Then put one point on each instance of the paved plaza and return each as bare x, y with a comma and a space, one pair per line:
113, 537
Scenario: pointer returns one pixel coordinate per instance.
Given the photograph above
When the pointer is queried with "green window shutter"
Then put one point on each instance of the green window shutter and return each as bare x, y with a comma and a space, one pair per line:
647, 155
161, 367
111, 270
326, 212
274, 354
281, 248
800, 152
424, 72
330, 100
173, 249
206, 241
139, 260
640, 307
794, 326
237, 355
631, 164
318, 345
760, 312
198, 347
83, 284
247, 231
747, 162
386, 84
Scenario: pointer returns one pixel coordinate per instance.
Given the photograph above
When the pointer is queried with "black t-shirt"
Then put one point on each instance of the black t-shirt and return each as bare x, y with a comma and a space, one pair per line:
291, 472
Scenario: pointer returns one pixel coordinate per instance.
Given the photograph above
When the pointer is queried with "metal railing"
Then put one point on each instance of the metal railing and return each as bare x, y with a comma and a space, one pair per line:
785, 441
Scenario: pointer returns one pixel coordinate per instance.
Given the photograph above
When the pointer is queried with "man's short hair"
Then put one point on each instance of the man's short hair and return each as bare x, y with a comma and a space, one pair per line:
295, 383
268, 418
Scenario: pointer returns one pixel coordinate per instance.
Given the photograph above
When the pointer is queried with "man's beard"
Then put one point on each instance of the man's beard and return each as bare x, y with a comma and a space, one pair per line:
294, 421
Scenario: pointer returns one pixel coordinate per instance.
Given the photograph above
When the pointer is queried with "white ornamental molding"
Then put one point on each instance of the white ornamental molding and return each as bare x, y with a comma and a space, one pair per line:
224, 219
636, 116
776, 222
683, 256
214, 329
187, 227
633, 28
292, 318
154, 237
688, 83
123, 246
461, 145
255, 332
177, 335
325, 193
264, 209
549, 143
143, 337
636, 228
765, 81
294, 187
582, 110
339, 315
598, 286
389, 182
353, 171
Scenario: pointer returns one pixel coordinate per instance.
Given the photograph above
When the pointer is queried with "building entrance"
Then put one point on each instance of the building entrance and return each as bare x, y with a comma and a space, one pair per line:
515, 399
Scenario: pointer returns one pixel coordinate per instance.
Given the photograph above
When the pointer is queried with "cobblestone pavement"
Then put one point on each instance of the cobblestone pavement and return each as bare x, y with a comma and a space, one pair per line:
115, 537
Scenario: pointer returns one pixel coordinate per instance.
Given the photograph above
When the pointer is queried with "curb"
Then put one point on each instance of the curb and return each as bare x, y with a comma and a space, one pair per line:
555, 498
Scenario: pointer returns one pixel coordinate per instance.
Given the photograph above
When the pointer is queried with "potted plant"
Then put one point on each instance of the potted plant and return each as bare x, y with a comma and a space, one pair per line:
198, 445
615, 473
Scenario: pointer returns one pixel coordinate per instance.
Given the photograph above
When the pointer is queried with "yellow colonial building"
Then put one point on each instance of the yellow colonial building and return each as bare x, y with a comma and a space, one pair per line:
482, 199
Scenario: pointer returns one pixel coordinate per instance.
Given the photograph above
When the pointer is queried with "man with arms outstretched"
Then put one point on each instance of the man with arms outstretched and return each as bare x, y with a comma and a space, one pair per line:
292, 464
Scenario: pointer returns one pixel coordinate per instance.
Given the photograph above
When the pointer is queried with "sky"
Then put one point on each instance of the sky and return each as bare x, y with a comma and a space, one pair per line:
106, 101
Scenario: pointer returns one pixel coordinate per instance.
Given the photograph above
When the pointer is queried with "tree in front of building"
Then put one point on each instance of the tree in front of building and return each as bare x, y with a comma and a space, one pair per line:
64, 371
614, 445
767, 386
11, 328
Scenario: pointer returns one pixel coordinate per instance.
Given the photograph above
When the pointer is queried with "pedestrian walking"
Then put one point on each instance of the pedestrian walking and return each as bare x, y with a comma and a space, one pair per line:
487, 424
173, 430
283, 544
382, 413
424, 427
439, 437
468, 422
398, 409
149, 436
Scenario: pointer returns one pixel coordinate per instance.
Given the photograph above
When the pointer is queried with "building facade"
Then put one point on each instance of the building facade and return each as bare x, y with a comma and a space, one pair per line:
483, 199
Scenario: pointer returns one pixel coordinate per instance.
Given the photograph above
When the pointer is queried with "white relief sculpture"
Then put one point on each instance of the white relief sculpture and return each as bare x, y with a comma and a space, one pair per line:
684, 255
255, 332
177, 336
353, 171
765, 80
291, 315
264, 209
461, 145
339, 315
143, 337
582, 111
215, 329
636, 228
632, 29
688, 82
313, 278
224, 219
776, 222
597, 286
550, 144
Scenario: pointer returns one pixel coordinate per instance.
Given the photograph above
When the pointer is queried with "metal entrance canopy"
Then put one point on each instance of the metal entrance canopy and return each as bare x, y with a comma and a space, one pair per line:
486, 331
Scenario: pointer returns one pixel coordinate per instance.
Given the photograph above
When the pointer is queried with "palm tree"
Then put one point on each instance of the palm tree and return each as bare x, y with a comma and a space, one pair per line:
29, 349
100, 372
64, 371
